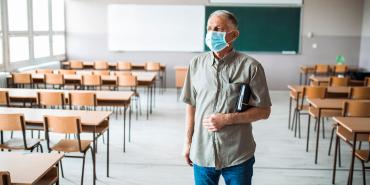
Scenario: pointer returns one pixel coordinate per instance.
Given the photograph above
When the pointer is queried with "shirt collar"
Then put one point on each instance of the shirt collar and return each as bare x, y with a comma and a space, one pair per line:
226, 59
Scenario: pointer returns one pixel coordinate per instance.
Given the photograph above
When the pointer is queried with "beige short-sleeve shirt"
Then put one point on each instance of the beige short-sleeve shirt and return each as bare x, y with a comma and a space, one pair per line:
212, 86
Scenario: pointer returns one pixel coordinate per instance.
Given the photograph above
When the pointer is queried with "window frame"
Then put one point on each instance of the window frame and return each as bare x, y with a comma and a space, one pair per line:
30, 33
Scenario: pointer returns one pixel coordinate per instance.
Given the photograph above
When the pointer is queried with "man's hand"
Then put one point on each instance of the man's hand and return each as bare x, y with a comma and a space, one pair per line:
186, 154
215, 122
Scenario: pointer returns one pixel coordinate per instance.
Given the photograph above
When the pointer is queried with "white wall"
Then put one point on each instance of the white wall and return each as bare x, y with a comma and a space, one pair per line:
365, 41
336, 25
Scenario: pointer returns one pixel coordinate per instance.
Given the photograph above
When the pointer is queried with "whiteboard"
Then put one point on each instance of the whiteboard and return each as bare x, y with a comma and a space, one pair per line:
261, 2
156, 27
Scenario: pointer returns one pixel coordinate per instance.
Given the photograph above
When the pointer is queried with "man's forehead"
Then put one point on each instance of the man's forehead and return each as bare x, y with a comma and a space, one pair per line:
217, 19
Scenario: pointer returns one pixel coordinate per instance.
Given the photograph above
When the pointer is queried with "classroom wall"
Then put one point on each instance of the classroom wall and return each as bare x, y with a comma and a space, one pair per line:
336, 25
365, 41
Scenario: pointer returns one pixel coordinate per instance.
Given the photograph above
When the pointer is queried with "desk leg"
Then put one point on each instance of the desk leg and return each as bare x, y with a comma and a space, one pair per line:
57, 166
124, 129
151, 97
335, 159
129, 124
108, 150
147, 102
300, 78
317, 135
350, 176
290, 111
94, 156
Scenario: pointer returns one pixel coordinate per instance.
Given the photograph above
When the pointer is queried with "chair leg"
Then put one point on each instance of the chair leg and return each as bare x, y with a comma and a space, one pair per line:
323, 128
331, 140
290, 111
61, 168
339, 155
299, 127
363, 173
83, 168
94, 163
308, 132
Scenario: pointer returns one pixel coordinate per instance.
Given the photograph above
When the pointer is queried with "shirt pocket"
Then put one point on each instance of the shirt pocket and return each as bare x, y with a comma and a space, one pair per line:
232, 95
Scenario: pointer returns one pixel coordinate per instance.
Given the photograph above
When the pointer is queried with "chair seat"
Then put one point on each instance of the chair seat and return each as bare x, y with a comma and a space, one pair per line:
17, 144
67, 145
362, 154
324, 113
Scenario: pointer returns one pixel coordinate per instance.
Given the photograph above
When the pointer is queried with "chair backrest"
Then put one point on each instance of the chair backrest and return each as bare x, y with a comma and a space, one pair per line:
11, 122
67, 71
118, 73
127, 81
4, 98
50, 99
54, 79
314, 92
91, 80
322, 69
76, 64
367, 81
82, 99
5, 178
22, 78
101, 72
44, 71
340, 69
359, 93
124, 65
101, 65
152, 66
339, 81
180, 77
356, 108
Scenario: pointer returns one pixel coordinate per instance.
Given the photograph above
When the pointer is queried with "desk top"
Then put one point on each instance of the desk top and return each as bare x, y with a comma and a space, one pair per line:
91, 63
337, 89
100, 95
354, 124
35, 115
38, 165
328, 103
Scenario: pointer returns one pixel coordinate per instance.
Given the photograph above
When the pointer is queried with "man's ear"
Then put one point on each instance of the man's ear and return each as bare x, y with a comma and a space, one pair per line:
232, 36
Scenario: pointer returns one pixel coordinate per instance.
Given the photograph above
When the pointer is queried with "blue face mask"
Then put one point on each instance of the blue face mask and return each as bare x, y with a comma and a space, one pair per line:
216, 40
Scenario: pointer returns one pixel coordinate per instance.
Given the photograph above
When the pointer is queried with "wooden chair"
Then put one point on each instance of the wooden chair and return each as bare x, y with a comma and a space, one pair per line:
22, 79
50, 99
76, 64
155, 67
339, 81
130, 81
44, 71
5, 178
67, 72
362, 93
15, 122
367, 81
180, 78
4, 98
340, 69
314, 112
124, 66
55, 80
68, 125
82, 100
101, 72
101, 65
354, 108
91, 81
322, 69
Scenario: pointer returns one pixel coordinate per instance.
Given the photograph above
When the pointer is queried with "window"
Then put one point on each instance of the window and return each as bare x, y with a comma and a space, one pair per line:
17, 15
19, 50
40, 15
41, 46
58, 45
58, 15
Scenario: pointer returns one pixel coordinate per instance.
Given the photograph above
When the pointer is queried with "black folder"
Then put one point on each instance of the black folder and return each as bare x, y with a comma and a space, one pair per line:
243, 100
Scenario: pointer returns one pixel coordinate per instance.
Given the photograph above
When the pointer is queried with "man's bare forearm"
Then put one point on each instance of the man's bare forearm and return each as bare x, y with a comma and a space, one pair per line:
251, 115
189, 127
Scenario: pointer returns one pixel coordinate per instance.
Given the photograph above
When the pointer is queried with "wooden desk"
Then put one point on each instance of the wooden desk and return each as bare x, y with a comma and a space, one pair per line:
89, 119
104, 98
306, 70
31, 168
356, 126
331, 89
112, 65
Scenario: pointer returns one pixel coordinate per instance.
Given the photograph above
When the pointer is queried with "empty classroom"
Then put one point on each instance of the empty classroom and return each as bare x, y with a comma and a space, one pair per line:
180, 92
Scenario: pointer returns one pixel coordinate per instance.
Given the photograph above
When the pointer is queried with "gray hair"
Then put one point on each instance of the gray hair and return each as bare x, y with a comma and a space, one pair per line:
229, 16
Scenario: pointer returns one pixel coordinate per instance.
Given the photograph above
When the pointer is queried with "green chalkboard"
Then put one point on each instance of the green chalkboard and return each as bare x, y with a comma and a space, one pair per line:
265, 29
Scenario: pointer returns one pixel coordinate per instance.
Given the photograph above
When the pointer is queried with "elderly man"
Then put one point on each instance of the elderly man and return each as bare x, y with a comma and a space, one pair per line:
218, 139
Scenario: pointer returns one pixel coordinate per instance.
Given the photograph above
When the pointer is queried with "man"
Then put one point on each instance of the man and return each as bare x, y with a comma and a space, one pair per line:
218, 139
